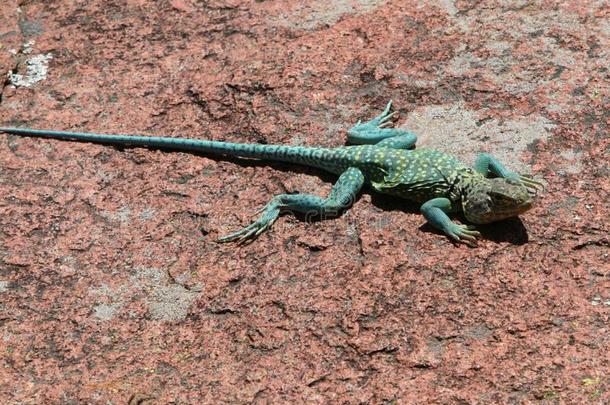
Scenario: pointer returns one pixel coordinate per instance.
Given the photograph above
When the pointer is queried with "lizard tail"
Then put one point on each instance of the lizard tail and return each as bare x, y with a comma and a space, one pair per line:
295, 154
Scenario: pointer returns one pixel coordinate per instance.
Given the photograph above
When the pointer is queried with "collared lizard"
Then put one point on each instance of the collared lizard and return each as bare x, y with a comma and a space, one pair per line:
379, 156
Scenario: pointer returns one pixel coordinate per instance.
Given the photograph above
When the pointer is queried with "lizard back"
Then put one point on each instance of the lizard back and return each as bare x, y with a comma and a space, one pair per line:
416, 175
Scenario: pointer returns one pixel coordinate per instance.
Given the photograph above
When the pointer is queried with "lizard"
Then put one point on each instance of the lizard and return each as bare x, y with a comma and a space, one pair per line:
378, 155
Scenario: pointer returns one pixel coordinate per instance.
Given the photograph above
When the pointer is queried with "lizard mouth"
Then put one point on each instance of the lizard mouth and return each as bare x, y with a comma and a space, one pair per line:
527, 204
499, 209
512, 211
520, 207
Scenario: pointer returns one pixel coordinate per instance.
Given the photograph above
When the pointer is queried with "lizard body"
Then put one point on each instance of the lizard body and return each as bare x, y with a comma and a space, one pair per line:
381, 158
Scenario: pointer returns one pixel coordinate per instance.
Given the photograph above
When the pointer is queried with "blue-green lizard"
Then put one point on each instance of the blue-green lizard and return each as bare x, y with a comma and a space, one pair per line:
381, 157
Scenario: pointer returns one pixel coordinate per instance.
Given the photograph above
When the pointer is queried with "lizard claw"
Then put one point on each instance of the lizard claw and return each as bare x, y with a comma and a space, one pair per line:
250, 232
386, 118
532, 185
376, 130
463, 233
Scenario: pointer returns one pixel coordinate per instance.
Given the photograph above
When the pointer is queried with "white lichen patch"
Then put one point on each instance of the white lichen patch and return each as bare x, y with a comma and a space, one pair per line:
112, 301
27, 47
105, 312
447, 5
37, 69
573, 163
122, 215
462, 132
597, 300
319, 13
165, 299
147, 213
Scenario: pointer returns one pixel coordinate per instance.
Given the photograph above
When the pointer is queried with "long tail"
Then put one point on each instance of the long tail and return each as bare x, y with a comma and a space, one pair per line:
294, 154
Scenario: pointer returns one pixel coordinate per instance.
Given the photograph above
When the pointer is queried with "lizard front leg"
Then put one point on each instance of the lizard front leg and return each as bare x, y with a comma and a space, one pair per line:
435, 211
379, 131
341, 196
489, 166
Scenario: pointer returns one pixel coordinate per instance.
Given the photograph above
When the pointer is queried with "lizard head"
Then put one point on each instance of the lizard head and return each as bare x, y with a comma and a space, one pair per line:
490, 200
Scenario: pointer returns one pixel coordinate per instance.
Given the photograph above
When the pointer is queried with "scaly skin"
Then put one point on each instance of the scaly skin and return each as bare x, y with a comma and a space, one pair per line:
382, 159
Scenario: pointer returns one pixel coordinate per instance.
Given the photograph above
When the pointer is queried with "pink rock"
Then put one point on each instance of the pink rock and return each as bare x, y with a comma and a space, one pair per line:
112, 289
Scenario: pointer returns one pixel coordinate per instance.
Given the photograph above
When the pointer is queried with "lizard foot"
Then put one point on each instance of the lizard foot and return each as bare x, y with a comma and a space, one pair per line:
378, 129
463, 233
384, 120
269, 214
533, 186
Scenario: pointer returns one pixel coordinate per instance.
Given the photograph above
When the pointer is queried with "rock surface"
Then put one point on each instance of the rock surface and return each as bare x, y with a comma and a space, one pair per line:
112, 288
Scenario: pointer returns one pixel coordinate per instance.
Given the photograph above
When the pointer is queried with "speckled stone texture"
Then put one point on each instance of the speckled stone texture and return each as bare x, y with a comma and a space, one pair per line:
112, 288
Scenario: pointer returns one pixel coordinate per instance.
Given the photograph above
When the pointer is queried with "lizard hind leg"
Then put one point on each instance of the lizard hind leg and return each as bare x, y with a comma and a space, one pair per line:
405, 141
341, 196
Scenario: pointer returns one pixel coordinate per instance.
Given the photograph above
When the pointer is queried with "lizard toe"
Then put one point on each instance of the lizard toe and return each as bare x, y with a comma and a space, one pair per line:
531, 184
464, 234
257, 227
